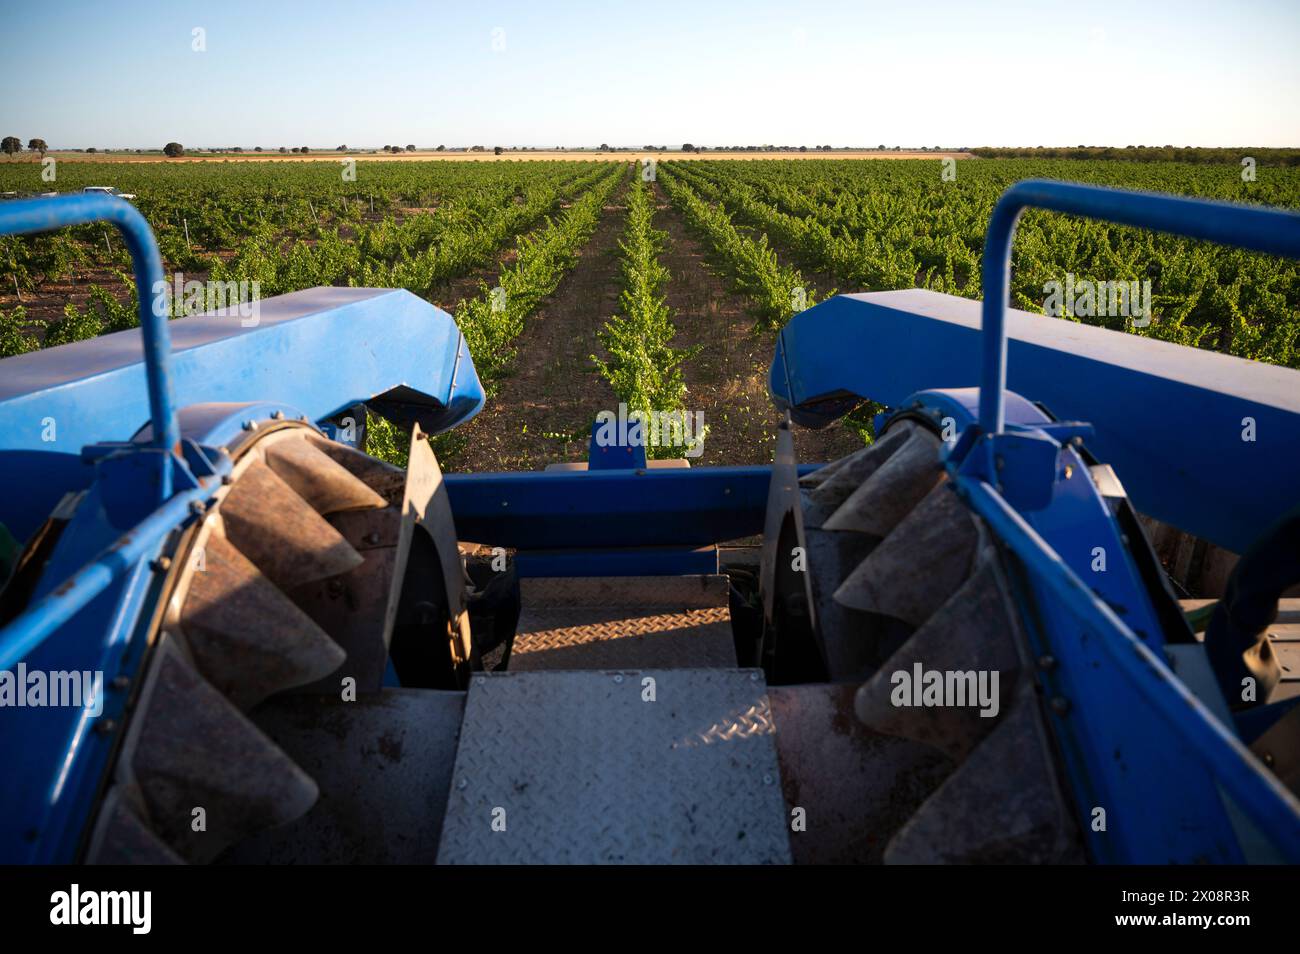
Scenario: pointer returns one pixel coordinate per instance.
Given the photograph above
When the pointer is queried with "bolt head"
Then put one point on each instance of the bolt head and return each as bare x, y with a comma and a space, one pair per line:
161, 565
250, 425
277, 416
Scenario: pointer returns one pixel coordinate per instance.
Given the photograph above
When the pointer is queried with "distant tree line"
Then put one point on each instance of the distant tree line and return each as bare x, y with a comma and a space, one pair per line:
1202, 154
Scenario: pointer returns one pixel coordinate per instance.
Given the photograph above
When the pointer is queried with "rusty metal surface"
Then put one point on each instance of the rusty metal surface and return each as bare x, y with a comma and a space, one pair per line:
354, 607
828, 495
972, 632
426, 497
247, 638
892, 491
624, 622
856, 787
854, 643
120, 838
1001, 806
189, 749
280, 532
579, 768
317, 478
383, 764
919, 565
383, 478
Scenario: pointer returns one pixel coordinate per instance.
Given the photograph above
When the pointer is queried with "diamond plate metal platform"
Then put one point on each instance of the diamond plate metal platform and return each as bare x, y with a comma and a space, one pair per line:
660, 622
580, 768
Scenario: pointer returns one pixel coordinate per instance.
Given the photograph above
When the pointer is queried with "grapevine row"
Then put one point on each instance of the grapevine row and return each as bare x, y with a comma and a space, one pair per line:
643, 369
776, 291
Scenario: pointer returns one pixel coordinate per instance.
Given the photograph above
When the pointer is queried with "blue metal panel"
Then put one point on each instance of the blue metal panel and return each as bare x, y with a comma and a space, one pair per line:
321, 350
692, 507
1167, 418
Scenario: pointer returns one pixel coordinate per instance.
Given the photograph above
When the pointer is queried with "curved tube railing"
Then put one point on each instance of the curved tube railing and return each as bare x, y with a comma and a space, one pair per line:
44, 215
1251, 227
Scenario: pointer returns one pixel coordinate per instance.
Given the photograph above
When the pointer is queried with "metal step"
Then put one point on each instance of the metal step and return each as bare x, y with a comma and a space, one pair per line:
657, 766
660, 622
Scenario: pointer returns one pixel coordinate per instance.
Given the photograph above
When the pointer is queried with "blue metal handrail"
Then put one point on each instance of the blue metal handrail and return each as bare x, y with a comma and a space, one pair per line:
45, 215
1250, 227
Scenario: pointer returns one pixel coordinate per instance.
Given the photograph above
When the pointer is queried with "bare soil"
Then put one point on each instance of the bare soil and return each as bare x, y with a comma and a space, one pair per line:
542, 413
727, 380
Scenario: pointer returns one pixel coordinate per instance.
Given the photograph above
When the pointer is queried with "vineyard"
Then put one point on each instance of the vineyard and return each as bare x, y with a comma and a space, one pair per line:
583, 285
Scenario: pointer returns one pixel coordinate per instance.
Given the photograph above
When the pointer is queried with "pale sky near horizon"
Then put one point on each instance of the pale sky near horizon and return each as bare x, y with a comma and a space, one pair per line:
912, 73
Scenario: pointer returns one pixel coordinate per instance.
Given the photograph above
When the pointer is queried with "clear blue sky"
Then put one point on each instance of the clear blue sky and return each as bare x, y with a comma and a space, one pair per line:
902, 72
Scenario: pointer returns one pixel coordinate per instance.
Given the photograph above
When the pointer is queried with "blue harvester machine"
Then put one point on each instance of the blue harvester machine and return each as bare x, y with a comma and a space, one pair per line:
955, 645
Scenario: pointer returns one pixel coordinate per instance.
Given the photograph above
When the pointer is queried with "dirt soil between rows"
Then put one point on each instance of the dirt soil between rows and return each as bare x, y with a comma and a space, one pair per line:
727, 380
543, 411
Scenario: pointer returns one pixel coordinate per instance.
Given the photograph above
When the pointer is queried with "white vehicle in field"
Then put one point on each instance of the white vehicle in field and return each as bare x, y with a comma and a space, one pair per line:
109, 190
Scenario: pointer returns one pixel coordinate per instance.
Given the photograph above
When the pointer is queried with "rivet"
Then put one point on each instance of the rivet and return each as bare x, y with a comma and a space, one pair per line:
618, 677
767, 779
1060, 705
463, 784
753, 677
1047, 663
372, 538
1069, 471
161, 565
197, 507
105, 726
120, 682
